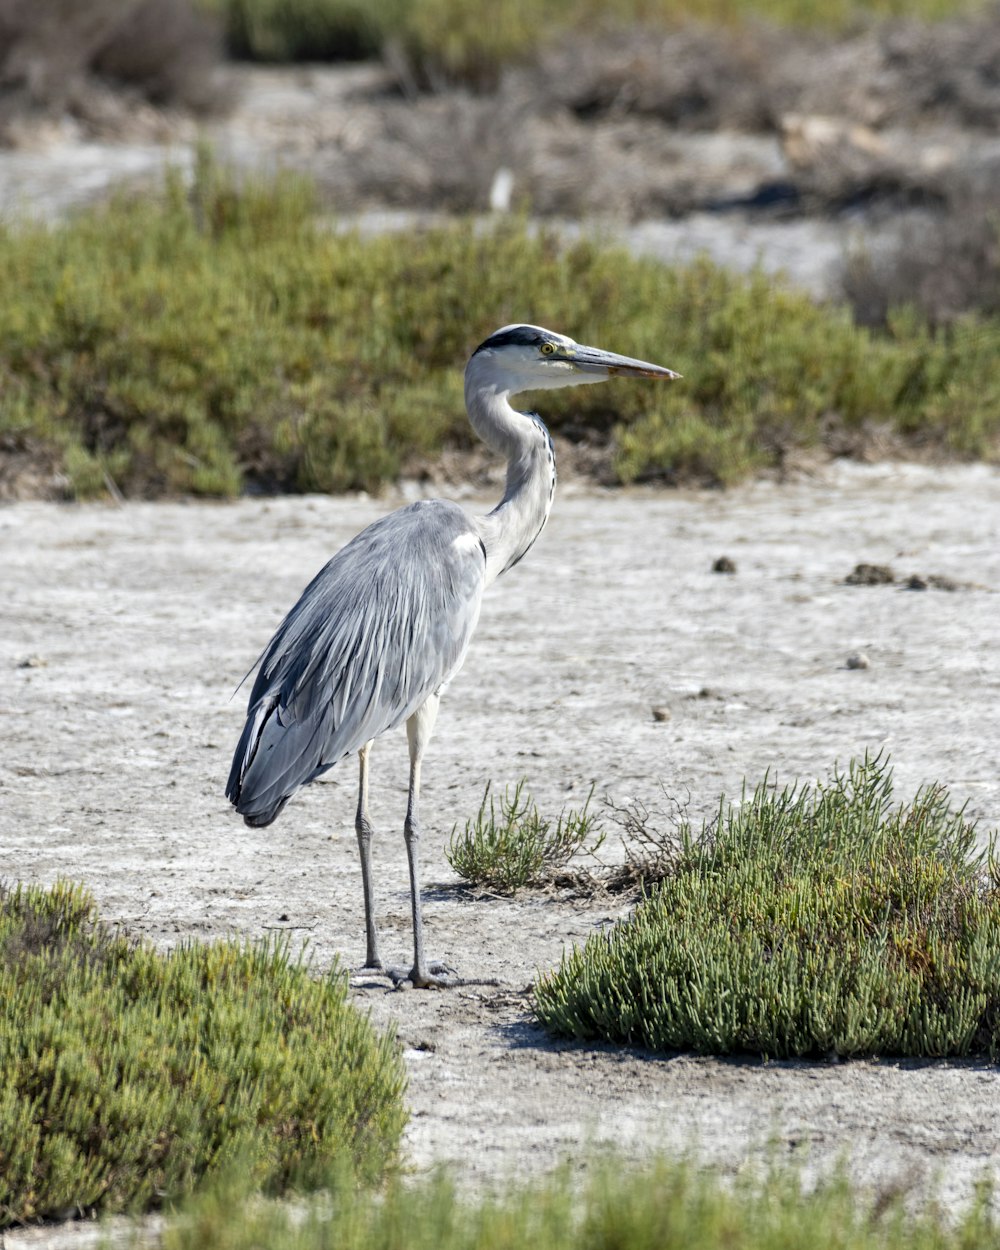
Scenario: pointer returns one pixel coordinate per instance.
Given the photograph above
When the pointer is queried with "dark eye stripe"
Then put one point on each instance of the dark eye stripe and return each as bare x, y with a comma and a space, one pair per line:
517, 336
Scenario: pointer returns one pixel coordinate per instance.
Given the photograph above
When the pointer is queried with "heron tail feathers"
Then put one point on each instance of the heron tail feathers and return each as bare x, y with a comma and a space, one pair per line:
249, 789
273, 758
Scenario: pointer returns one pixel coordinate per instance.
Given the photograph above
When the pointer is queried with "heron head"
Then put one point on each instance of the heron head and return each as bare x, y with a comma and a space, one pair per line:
526, 358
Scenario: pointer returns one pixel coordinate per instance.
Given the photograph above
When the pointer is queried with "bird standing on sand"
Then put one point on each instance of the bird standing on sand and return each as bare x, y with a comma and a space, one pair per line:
383, 628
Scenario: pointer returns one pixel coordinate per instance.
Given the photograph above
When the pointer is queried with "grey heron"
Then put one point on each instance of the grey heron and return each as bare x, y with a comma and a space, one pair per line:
383, 628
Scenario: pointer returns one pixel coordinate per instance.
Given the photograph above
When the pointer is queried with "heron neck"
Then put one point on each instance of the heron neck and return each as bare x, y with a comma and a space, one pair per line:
517, 520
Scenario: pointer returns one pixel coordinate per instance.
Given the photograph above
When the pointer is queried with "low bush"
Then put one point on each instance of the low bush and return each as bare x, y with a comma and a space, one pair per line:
308, 30
806, 922
51, 50
222, 338
510, 844
447, 41
945, 267
128, 1077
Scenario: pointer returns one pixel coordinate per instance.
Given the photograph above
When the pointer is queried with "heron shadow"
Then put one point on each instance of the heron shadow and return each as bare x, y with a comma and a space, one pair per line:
448, 891
527, 1034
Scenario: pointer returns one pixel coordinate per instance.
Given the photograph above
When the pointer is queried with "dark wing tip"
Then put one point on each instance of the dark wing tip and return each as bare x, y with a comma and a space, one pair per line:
258, 820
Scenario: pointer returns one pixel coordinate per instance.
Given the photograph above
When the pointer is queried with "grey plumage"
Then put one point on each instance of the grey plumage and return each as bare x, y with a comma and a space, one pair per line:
385, 625
372, 636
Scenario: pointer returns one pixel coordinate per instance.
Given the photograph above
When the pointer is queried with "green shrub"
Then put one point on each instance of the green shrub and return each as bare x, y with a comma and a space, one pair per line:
810, 921
127, 1077
945, 266
448, 40
667, 1205
517, 846
166, 50
308, 30
221, 338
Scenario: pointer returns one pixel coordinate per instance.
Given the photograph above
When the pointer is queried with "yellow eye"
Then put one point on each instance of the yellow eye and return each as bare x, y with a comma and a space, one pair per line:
547, 349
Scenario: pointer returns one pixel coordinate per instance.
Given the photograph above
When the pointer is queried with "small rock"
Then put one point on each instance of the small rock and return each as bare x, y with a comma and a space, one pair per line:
724, 565
283, 918
870, 575
858, 659
827, 155
810, 140
661, 714
931, 581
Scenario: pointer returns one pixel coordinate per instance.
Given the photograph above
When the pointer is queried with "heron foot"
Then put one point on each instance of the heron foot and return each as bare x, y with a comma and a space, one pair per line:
436, 976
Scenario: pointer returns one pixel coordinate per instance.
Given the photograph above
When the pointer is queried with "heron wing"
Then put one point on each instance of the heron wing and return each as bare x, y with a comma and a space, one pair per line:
381, 627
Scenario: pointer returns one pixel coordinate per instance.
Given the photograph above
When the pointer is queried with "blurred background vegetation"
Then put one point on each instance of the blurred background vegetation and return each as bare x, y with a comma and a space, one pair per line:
221, 333
218, 339
449, 38
150, 40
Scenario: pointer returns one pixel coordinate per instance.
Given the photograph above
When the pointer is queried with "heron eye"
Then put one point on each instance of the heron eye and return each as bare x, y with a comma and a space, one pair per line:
547, 349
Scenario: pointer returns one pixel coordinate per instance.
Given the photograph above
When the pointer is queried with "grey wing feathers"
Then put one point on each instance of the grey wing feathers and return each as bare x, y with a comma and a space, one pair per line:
381, 627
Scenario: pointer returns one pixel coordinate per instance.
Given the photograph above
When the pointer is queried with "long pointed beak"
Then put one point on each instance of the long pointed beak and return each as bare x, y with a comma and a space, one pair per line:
610, 364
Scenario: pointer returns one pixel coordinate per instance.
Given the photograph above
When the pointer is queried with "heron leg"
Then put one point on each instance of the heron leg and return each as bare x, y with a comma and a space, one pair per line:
365, 831
419, 728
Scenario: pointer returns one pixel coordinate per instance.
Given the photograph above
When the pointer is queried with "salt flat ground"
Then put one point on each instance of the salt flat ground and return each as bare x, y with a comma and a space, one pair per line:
123, 632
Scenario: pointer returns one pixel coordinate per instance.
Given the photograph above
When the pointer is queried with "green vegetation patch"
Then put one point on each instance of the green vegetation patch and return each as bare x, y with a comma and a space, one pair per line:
308, 30
127, 1077
807, 922
447, 41
509, 843
667, 1206
223, 338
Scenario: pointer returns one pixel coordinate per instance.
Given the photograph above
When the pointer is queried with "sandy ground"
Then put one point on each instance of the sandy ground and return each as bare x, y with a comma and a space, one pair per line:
125, 630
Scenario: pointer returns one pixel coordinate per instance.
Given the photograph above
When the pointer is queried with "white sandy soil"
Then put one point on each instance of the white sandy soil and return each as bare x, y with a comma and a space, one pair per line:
123, 632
